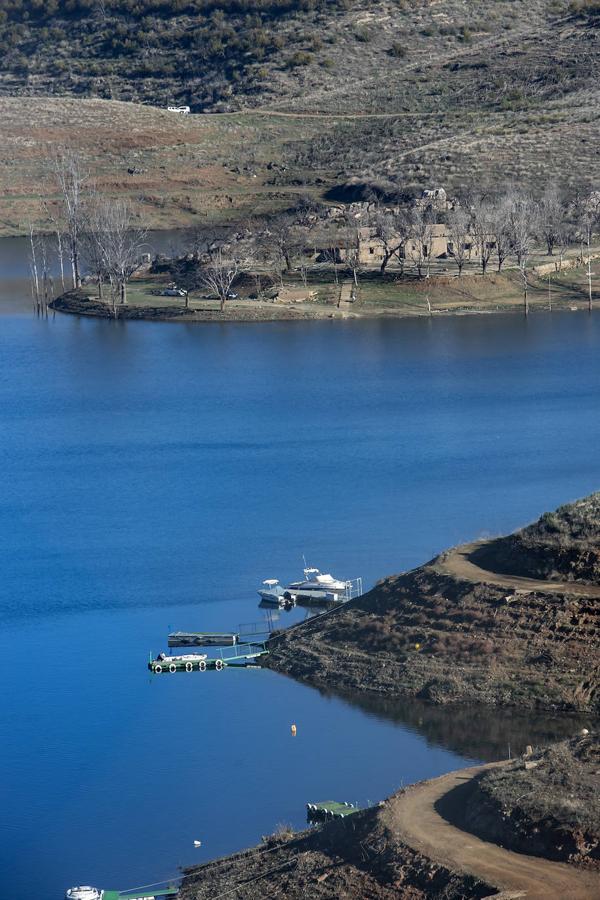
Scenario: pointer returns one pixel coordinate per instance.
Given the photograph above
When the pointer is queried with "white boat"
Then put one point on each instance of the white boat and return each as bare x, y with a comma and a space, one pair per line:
272, 592
323, 588
188, 657
84, 892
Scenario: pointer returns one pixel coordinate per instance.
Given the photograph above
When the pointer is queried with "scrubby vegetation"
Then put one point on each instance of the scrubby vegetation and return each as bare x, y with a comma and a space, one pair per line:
561, 545
214, 52
548, 804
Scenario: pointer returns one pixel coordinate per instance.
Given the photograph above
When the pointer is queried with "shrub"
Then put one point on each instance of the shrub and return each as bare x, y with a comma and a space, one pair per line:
397, 50
299, 58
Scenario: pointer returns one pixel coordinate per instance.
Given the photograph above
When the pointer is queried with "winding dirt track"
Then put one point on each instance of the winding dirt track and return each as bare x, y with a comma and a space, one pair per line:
458, 563
415, 819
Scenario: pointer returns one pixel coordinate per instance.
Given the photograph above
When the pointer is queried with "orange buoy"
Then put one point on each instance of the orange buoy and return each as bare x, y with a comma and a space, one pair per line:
293, 731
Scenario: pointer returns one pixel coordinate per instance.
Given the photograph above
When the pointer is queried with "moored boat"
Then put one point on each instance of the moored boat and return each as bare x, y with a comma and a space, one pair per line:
187, 657
273, 593
84, 892
320, 587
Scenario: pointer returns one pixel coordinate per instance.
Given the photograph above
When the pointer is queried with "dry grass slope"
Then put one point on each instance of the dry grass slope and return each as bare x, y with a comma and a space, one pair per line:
414, 95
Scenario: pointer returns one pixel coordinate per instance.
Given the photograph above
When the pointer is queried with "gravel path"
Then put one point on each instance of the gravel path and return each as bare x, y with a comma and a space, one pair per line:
416, 821
459, 564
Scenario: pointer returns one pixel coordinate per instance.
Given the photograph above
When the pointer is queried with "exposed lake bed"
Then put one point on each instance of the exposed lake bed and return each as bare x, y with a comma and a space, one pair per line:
153, 477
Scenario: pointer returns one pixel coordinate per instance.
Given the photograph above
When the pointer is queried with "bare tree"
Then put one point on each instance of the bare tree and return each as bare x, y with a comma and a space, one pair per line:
392, 227
483, 227
351, 243
33, 265
116, 243
42, 285
283, 240
94, 239
332, 255
459, 232
71, 179
588, 215
501, 230
551, 214
219, 275
186, 273
421, 235
522, 230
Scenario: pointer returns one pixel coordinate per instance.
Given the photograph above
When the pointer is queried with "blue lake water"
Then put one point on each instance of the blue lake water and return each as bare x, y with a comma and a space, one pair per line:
151, 475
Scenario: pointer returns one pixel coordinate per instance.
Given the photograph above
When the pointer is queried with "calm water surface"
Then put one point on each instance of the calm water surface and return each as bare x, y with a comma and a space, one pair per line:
151, 475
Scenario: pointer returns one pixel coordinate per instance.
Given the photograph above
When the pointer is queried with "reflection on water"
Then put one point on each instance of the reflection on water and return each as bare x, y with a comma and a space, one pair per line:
474, 731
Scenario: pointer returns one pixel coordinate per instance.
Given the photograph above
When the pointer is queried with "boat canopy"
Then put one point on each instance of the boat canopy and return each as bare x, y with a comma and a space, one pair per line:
271, 582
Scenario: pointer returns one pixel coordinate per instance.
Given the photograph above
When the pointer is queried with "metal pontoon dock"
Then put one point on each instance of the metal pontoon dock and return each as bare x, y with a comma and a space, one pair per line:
244, 655
170, 892
246, 634
202, 639
329, 809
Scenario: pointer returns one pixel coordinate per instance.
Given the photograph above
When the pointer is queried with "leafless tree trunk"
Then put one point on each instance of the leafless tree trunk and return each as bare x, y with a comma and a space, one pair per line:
458, 230
392, 229
551, 213
114, 243
352, 251
61, 257
522, 229
33, 265
483, 228
421, 234
332, 255
219, 275
283, 241
588, 216
71, 179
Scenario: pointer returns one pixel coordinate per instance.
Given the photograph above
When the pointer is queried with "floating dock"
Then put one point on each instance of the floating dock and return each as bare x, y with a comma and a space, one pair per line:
329, 809
202, 639
245, 655
246, 634
162, 894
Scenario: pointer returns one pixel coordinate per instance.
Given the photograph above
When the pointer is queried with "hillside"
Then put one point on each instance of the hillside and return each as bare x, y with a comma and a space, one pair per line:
416, 845
223, 53
391, 93
359, 856
455, 631
564, 544
549, 804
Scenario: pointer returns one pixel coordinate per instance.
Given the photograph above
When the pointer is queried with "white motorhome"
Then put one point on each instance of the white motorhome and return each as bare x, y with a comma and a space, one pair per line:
184, 110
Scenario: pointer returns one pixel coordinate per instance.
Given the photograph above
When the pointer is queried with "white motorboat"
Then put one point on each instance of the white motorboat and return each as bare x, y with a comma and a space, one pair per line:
317, 586
272, 592
84, 892
188, 657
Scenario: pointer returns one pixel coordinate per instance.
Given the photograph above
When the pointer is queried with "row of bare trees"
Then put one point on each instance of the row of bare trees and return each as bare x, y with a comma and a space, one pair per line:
102, 236
482, 228
87, 230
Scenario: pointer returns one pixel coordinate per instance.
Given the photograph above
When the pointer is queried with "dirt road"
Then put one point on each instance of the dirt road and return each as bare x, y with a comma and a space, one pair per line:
458, 563
414, 818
